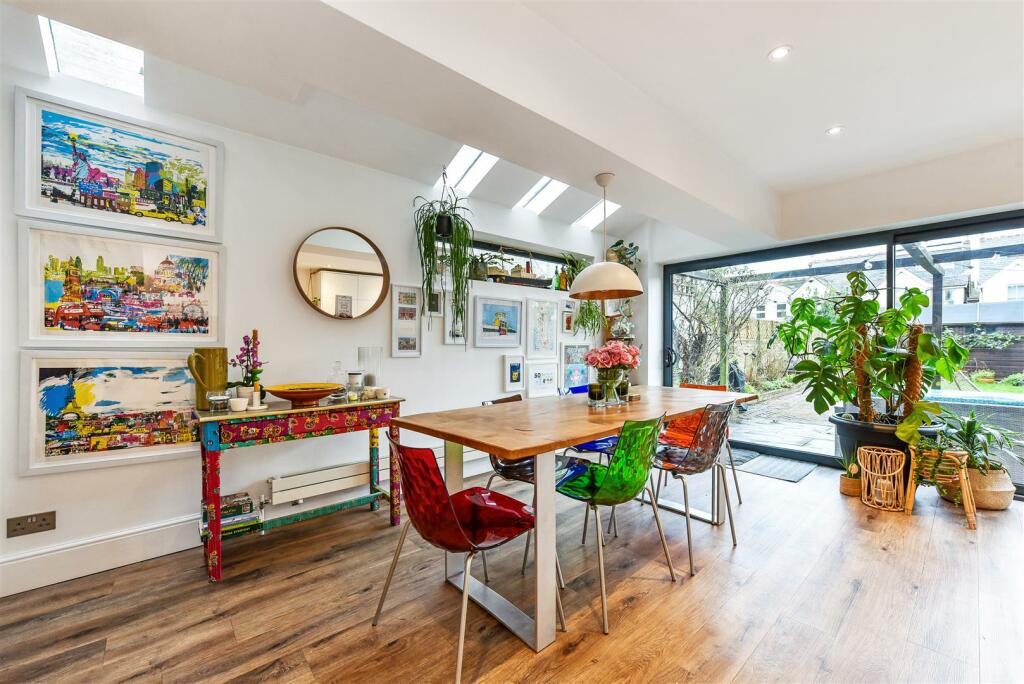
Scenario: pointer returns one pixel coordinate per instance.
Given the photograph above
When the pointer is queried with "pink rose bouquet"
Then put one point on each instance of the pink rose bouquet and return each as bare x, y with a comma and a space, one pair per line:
615, 354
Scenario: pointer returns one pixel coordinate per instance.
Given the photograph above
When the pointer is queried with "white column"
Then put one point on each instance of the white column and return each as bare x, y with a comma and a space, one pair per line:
544, 549
454, 563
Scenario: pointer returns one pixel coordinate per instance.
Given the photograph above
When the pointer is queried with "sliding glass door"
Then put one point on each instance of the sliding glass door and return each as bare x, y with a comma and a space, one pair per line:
721, 316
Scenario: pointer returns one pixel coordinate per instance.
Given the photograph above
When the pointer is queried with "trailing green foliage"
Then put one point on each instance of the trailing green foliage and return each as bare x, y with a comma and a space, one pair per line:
589, 319
851, 349
978, 338
452, 252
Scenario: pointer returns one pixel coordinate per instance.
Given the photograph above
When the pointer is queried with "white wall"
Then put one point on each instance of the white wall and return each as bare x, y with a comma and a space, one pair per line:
273, 198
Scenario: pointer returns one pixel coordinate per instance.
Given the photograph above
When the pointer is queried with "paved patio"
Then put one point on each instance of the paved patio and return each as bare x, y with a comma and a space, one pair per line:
785, 420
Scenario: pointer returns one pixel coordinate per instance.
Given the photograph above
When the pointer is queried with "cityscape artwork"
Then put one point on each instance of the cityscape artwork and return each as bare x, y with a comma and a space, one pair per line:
96, 169
498, 322
103, 410
87, 286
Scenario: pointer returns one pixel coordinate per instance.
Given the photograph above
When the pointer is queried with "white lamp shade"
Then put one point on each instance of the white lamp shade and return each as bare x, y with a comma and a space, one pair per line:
606, 280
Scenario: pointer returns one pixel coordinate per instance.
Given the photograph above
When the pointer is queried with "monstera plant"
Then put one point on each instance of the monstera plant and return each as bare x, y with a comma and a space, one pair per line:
852, 350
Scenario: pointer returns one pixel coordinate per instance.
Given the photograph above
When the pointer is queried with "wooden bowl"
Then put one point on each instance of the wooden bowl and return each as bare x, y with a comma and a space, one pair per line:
304, 394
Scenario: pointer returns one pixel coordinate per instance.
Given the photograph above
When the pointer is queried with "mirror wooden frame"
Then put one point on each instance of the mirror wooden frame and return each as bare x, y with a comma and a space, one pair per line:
385, 274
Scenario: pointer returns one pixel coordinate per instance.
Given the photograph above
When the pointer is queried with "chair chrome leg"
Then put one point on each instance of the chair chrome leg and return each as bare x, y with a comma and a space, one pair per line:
735, 477
483, 559
728, 504
559, 611
600, 565
462, 620
391, 571
613, 523
558, 572
664, 544
661, 480
689, 532
526, 552
586, 522
490, 480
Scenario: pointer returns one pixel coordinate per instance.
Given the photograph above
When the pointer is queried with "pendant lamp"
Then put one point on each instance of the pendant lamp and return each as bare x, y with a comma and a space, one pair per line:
605, 279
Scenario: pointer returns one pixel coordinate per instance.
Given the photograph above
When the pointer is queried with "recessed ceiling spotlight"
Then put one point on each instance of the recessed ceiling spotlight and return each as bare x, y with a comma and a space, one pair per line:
780, 53
834, 131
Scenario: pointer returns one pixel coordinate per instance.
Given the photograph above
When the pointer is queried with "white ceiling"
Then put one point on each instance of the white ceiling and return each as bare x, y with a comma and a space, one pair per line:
910, 81
703, 132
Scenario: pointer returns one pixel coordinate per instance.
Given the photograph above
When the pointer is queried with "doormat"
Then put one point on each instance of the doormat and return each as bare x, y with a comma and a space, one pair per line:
777, 467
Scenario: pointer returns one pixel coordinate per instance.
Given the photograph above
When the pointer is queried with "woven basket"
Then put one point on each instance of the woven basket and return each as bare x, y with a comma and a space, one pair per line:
849, 486
881, 477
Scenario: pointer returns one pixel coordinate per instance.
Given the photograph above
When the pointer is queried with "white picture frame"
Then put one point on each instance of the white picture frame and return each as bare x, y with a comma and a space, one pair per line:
117, 204
406, 321
451, 334
514, 372
567, 318
435, 304
542, 322
571, 367
497, 322
110, 373
541, 379
42, 324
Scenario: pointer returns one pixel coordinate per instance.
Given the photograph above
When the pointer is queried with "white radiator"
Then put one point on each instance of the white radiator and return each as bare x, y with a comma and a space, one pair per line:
289, 488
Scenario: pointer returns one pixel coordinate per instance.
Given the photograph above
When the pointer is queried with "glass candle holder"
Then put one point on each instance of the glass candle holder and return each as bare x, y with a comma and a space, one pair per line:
595, 394
219, 400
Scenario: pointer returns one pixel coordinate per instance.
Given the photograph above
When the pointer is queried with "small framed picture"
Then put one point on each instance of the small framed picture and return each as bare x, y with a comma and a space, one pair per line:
574, 368
542, 379
514, 372
435, 304
498, 322
406, 324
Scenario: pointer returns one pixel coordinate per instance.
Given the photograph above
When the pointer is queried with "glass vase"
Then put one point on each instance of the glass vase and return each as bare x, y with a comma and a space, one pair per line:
610, 379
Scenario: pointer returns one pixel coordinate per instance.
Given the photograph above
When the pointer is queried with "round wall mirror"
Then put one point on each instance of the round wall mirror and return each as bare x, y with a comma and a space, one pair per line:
341, 273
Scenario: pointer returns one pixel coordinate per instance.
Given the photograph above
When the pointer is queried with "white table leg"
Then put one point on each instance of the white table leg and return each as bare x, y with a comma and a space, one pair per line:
454, 563
544, 550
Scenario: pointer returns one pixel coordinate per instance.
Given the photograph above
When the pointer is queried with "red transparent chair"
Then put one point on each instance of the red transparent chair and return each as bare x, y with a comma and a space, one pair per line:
471, 521
680, 433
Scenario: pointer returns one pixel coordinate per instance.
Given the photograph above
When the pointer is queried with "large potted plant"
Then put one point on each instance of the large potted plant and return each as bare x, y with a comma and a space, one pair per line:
444, 235
852, 350
990, 482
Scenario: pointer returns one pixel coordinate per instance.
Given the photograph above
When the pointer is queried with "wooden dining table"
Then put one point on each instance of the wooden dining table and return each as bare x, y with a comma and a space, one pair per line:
537, 428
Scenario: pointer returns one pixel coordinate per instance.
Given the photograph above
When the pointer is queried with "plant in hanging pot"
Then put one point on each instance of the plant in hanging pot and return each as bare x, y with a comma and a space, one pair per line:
851, 350
444, 236
990, 482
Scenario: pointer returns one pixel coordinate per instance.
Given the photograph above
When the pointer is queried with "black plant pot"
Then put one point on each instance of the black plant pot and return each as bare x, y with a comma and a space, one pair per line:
443, 226
855, 433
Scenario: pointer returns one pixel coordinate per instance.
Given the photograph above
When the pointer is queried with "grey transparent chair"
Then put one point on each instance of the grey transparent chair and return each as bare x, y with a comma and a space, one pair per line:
701, 456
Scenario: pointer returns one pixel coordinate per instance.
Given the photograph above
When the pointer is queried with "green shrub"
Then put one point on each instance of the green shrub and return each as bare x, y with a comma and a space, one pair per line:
1015, 379
983, 375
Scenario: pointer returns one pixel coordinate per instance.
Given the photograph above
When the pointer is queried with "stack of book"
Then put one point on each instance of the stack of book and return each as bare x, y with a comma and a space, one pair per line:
238, 516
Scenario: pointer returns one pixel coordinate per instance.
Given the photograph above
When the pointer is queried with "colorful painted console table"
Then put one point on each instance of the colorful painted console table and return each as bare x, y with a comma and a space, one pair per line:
281, 423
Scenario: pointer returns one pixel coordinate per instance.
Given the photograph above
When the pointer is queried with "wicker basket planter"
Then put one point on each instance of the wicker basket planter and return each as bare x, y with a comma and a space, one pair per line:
881, 477
849, 486
992, 491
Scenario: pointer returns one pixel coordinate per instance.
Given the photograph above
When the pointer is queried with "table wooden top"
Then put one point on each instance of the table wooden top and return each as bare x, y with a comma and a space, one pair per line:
282, 408
522, 429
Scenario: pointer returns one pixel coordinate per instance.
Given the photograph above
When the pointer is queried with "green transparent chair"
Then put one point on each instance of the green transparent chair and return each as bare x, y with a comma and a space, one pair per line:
626, 475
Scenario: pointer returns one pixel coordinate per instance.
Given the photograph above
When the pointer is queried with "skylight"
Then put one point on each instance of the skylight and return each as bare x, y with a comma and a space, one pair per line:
542, 194
467, 168
93, 58
593, 217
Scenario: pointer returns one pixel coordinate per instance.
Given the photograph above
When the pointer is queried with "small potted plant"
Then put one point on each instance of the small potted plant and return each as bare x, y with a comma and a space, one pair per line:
624, 253
248, 359
480, 264
984, 377
990, 482
849, 481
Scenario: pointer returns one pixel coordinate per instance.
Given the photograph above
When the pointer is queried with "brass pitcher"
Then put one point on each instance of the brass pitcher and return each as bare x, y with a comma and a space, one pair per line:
209, 367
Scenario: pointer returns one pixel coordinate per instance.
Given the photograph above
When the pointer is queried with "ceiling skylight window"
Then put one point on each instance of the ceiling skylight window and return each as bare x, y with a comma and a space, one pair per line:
542, 194
467, 168
592, 218
74, 52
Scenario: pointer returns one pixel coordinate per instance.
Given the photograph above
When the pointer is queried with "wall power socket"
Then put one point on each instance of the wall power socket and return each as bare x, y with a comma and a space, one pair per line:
30, 524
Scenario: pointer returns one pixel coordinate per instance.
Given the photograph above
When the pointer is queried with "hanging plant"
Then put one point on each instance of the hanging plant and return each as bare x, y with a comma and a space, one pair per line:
444, 236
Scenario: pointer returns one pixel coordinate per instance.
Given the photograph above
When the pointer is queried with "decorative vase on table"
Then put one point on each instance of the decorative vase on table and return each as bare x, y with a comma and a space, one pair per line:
613, 362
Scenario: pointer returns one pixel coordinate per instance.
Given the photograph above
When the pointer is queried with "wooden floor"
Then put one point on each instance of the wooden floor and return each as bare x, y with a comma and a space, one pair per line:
820, 588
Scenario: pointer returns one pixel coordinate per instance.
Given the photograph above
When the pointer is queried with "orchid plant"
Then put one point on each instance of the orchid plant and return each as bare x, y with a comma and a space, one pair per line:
248, 359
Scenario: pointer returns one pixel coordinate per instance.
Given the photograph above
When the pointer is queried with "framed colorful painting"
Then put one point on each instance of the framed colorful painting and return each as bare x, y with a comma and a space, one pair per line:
514, 372
574, 369
90, 410
541, 329
568, 318
497, 322
85, 165
406, 323
542, 379
86, 288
